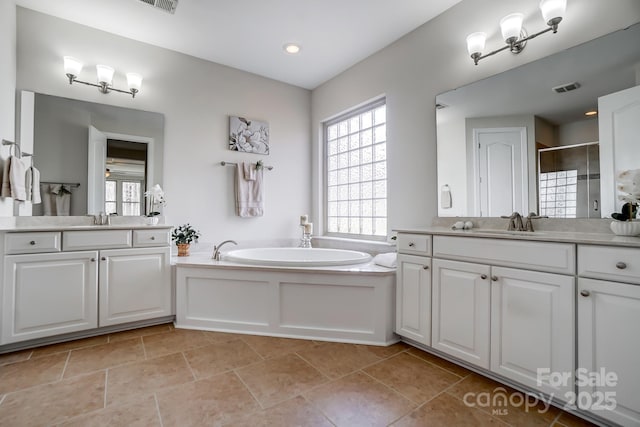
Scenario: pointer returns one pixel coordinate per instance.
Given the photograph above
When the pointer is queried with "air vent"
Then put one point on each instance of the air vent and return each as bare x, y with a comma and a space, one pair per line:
566, 87
168, 6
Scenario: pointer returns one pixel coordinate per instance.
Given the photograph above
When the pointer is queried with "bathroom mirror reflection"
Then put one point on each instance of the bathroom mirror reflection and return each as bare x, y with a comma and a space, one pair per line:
113, 153
503, 139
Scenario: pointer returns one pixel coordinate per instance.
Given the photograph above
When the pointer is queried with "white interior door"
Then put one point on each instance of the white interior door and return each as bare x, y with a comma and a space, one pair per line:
96, 166
619, 128
501, 171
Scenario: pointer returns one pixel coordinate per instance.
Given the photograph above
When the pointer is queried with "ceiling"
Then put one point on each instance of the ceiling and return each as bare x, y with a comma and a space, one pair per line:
250, 34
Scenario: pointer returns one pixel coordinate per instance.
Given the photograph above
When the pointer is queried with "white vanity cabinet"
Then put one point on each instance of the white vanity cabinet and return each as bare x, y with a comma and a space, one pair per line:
413, 288
512, 321
58, 282
608, 339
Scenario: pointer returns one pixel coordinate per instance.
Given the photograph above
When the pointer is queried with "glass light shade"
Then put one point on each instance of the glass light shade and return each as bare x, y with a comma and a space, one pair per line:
291, 48
476, 42
511, 25
72, 66
553, 9
134, 81
105, 74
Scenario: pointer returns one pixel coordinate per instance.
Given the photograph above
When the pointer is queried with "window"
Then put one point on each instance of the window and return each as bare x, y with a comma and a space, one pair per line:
123, 197
558, 191
356, 172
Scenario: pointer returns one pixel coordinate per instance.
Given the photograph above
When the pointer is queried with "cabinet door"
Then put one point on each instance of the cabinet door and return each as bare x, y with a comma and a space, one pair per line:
135, 284
532, 327
413, 298
49, 294
608, 320
460, 307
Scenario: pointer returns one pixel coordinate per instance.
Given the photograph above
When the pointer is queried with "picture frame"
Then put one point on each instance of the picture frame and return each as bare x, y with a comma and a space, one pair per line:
248, 135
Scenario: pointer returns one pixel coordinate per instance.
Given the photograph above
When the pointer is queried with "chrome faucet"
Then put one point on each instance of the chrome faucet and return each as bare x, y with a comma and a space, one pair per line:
216, 249
529, 225
515, 222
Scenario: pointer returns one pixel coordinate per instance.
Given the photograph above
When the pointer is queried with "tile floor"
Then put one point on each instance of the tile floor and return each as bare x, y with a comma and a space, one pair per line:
160, 376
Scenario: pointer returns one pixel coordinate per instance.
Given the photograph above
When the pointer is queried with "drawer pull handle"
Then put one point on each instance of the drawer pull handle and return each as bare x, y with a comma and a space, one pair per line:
621, 265
585, 293
411, 244
103, 258
426, 267
33, 242
153, 237
483, 277
494, 278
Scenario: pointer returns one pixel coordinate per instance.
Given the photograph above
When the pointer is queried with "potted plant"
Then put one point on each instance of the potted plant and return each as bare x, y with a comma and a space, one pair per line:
155, 199
629, 192
183, 236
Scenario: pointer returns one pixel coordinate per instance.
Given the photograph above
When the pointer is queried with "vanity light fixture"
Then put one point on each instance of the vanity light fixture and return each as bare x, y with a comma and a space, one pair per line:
514, 35
72, 68
591, 113
292, 48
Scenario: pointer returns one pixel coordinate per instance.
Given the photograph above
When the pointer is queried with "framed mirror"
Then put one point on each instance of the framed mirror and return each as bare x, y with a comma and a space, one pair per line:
100, 157
521, 140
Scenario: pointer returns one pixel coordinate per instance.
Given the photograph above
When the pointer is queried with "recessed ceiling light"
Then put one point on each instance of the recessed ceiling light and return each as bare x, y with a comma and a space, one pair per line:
291, 48
591, 113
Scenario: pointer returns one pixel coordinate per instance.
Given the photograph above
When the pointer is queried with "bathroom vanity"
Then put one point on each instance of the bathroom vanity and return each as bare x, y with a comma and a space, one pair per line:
60, 280
509, 304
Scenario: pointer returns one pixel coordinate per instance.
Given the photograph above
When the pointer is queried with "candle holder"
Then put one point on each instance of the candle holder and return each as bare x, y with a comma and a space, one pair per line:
305, 241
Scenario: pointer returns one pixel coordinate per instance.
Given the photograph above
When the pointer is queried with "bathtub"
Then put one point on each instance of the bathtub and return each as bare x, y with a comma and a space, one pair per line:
296, 257
319, 294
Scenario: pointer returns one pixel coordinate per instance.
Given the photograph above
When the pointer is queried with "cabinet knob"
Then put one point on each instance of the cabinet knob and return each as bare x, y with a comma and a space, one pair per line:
411, 244
104, 258
483, 277
621, 265
153, 237
33, 242
585, 293
426, 267
93, 260
494, 278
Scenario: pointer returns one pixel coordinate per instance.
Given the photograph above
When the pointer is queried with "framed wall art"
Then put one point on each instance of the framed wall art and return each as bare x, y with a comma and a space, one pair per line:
248, 136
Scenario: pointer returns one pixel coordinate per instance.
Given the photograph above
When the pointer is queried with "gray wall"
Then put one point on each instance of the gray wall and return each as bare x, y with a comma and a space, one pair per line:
431, 60
7, 86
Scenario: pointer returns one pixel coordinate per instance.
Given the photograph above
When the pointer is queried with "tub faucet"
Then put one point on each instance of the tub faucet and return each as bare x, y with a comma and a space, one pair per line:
216, 249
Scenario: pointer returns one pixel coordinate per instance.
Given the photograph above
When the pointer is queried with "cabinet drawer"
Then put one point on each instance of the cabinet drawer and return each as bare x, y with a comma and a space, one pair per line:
417, 244
32, 242
96, 239
540, 256
610, 263
154, 237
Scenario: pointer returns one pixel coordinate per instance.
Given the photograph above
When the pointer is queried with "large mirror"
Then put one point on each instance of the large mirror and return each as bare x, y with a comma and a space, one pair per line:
521, 140
95, 158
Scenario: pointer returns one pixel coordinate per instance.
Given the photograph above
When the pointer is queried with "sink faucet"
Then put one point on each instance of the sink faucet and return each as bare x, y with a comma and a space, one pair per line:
515, 222
216, 249
529, 225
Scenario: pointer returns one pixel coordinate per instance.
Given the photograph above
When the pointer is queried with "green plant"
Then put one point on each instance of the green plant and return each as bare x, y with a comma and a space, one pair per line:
184, 234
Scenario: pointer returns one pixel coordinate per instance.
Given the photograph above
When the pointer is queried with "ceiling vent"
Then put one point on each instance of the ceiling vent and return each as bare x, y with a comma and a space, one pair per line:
566, 87
168, 6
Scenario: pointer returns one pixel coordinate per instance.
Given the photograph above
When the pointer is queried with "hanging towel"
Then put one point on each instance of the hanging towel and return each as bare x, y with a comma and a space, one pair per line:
388, 260
249, 200
48, 200
445, 197
5, 191
32, 185
249, 171
61, 193
17, 178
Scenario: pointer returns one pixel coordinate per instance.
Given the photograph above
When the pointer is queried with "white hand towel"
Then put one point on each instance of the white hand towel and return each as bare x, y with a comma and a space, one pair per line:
249, 200
17, 178
388, 260
48, 200
249, 171
445, 197
6, 183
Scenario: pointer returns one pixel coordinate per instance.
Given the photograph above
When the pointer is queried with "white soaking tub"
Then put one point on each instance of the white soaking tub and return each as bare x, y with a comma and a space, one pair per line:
296, 257
321, 294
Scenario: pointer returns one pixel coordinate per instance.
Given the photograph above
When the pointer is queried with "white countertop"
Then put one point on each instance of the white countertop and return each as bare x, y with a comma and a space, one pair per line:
23, 228
540, 236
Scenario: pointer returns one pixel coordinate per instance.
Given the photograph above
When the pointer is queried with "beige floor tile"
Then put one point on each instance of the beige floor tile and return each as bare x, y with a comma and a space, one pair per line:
69, 345
142, 413
16, 356
388, 351
413, 378
359, 400
444, 364
140, 332
32, 372
274, 347
569, 420
221, 337
49, 404
174, 341
293, 412
138, 379
336, 360
104, 356
447, 411
207, 402
508, 405
217, 358
278, 379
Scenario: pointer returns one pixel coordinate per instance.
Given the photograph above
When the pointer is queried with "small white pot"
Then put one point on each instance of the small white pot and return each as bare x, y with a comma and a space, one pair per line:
626, 228
151, 220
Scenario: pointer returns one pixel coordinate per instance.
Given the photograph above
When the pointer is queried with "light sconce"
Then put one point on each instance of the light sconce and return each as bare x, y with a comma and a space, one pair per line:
513, 34
72, 68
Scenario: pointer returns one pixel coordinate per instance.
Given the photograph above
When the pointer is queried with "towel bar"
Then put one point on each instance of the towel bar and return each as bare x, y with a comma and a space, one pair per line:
223, 163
